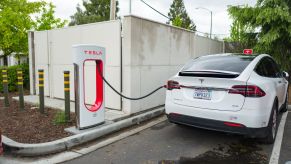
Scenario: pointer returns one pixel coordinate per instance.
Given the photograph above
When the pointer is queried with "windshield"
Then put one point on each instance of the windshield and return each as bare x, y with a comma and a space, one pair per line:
219, 63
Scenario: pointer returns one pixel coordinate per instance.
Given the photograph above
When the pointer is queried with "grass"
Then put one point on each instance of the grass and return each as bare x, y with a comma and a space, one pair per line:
59, 118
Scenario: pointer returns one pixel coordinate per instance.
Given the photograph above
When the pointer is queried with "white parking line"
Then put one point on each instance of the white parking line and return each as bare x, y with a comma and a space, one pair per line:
277, 145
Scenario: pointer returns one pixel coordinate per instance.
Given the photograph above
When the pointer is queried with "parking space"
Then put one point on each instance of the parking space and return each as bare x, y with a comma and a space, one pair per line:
170, 143
285, 154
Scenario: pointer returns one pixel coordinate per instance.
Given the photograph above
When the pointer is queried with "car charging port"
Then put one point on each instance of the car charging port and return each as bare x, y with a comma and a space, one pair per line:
173, 85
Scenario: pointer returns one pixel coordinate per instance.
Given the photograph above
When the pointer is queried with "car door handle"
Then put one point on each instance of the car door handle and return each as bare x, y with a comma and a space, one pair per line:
279, 82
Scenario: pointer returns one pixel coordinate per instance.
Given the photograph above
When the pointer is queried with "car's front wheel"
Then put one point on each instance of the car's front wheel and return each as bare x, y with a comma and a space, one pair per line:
272, 126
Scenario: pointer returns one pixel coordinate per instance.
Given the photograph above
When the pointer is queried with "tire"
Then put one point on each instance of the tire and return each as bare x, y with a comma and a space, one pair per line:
178, 124
272, 126
285, 106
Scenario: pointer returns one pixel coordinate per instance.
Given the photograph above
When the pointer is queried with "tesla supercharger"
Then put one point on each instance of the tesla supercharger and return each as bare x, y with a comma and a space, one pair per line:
89, 115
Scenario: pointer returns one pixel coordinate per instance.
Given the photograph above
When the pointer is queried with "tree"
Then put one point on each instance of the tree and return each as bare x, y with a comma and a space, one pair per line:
272, 21
95, 11
178, 14
237, 31
15, 21
242, 36
177, 22
47, 19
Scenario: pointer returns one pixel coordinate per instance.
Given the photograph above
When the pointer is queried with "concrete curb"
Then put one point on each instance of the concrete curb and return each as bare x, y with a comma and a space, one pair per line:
75, 140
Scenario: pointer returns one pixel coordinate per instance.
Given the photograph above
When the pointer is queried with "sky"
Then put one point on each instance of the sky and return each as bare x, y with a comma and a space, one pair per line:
221, 20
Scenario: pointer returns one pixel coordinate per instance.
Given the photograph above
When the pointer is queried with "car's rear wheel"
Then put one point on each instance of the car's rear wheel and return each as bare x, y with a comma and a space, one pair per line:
272, 126
285, 106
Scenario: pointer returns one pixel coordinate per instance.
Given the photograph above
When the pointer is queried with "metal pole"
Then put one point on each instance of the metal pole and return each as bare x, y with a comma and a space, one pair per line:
129, 7
211, 25
112, 9
41, 90
210, 33
77, 94
67, 94
20, 89
32, 60
5, 87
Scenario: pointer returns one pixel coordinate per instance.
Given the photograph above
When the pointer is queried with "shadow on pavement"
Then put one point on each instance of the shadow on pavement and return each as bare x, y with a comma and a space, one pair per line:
242, 152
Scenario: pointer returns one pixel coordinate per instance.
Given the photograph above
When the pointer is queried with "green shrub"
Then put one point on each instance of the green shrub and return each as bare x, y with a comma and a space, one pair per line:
60, 118
12, 77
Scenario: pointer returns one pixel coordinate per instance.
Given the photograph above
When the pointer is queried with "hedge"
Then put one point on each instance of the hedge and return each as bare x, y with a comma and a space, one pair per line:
12, 77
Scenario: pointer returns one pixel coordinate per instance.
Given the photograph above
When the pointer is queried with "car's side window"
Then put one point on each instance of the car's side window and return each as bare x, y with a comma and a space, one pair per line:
278, 73
268, 68
261, 69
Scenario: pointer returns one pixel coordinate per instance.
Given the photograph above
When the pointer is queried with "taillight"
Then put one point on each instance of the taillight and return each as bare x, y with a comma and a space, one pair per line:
173, 85
247, 90
231, 124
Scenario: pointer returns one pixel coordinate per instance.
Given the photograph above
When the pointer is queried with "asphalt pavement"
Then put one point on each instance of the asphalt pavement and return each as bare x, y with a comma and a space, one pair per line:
285, 152
169, 143
159, 141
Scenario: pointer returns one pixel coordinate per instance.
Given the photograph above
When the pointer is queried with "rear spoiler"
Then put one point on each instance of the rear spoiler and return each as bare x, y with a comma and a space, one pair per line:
215, 74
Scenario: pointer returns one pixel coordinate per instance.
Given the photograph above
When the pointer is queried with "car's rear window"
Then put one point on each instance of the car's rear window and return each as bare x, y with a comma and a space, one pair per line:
229, 63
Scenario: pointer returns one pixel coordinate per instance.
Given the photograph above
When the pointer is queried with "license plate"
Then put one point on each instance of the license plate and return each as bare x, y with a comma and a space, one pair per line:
202, 94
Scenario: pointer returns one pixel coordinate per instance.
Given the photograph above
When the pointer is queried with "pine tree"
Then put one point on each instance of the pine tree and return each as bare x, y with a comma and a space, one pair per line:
178, 12
95, 11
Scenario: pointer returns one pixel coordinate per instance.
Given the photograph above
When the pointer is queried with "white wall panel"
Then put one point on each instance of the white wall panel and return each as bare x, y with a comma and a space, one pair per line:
41, 47
104, 35
112, 74
151, 78
201, 46
154, 44
54, 49
180, 46
42, 59
131, 88
152, 53
60, 44
58, 72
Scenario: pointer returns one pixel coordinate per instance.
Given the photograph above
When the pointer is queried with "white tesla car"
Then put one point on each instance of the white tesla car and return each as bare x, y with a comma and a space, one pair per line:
233, 93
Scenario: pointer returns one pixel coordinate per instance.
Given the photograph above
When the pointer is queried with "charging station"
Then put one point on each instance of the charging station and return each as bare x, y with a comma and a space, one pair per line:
89, 114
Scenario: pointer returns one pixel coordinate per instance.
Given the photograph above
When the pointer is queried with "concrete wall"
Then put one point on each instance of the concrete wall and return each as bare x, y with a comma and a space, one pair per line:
152, 53
53, 53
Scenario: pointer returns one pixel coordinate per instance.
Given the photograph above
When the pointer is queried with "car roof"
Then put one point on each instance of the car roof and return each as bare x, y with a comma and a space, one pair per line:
233, 54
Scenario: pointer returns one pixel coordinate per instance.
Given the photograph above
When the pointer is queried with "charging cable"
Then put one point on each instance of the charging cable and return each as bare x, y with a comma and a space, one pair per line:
129, 98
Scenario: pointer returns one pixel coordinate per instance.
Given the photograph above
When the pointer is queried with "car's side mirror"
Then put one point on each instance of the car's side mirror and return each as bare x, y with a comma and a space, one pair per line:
285, 74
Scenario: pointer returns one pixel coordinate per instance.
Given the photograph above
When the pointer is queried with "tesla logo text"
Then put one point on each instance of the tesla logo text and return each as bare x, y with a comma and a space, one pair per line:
201, 80
89, 52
